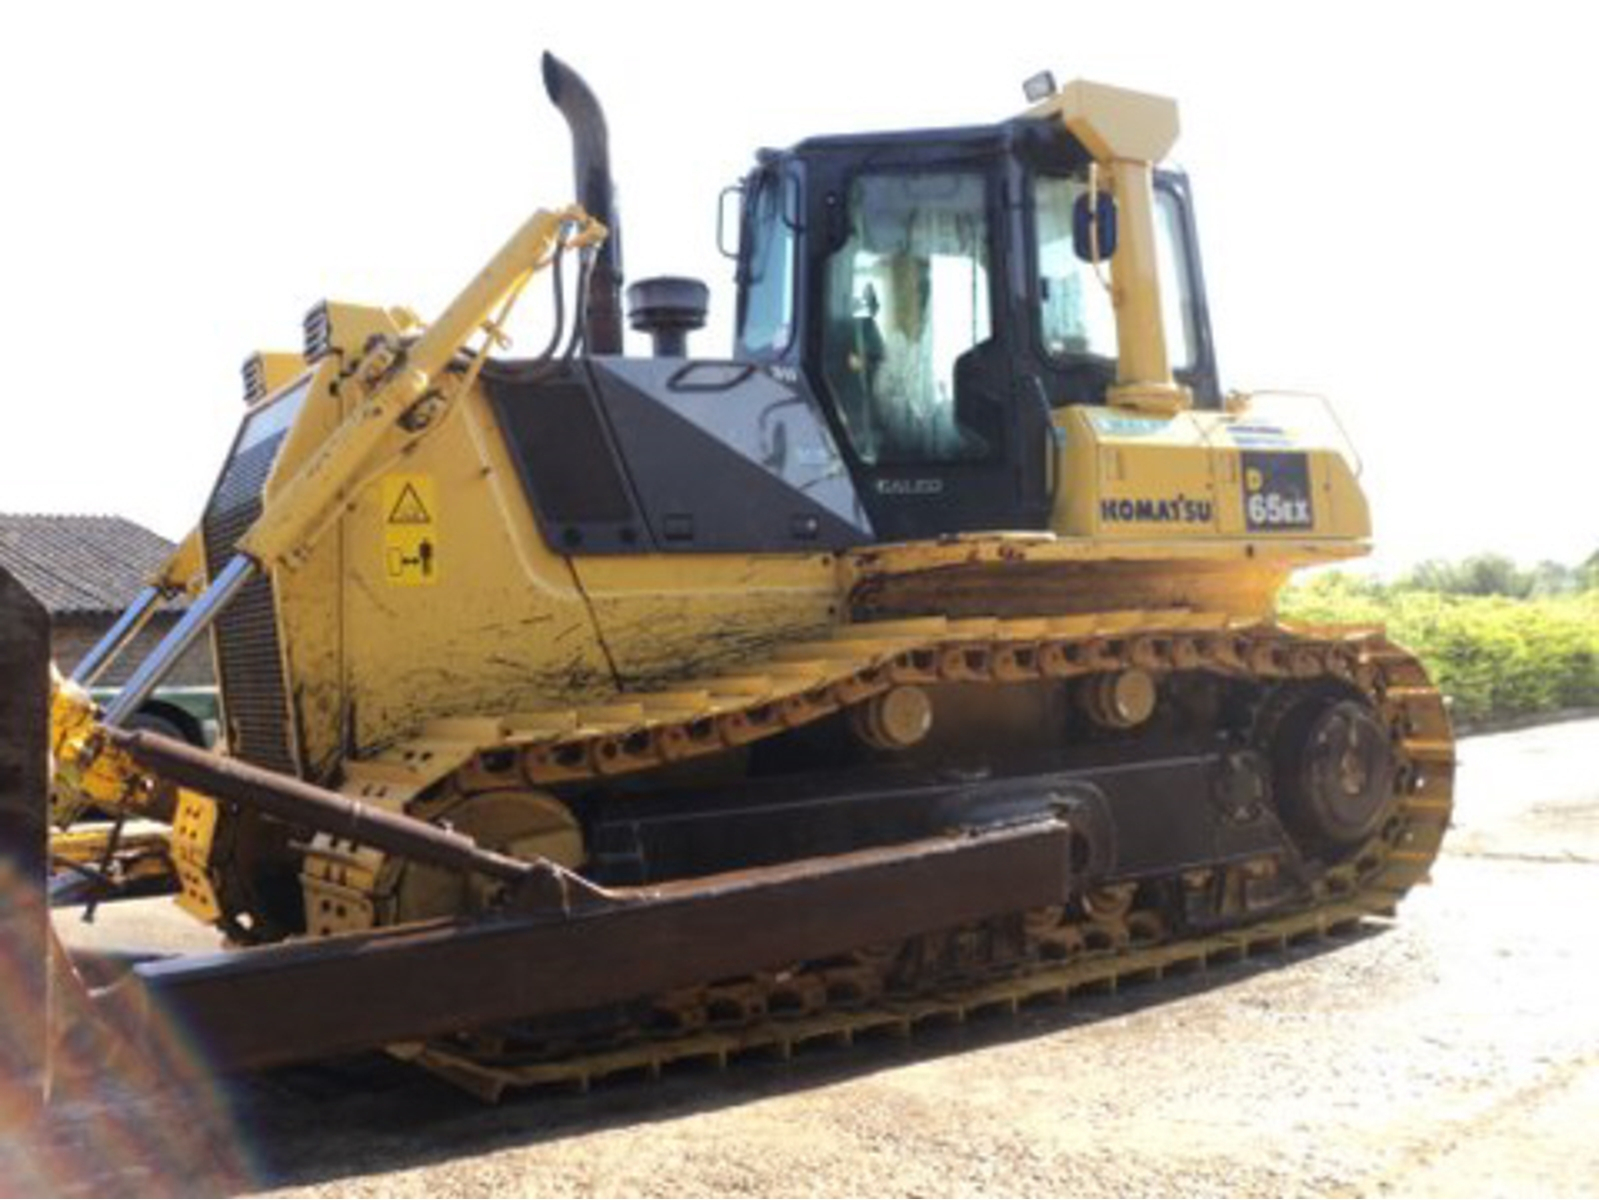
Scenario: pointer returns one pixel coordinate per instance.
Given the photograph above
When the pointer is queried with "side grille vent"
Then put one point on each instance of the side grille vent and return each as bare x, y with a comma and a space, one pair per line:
318, 333
255, 385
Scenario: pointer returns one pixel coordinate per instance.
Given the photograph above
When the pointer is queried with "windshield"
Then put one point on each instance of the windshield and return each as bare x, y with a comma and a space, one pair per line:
907, 314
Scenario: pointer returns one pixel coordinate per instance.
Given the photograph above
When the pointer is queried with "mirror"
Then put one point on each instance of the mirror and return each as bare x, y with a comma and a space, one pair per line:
791, 202
760, 185
1094, 226
725, 228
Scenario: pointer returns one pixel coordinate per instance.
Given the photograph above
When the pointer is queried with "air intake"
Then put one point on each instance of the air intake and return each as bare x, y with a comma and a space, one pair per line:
668, 308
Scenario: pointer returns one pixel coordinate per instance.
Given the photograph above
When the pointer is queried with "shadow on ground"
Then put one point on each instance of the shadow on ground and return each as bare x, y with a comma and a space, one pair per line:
304, 1126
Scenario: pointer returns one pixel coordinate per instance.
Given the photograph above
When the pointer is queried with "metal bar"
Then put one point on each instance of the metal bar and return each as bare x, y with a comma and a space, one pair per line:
106, 650
301, 803
25, 937
255, 1008
238, 572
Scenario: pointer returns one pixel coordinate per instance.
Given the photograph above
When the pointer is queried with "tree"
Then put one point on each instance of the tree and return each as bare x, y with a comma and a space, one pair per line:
1550, 578
1588, 573
1479, 575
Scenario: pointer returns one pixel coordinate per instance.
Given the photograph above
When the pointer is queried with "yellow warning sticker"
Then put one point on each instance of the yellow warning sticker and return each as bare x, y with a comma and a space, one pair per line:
410, 530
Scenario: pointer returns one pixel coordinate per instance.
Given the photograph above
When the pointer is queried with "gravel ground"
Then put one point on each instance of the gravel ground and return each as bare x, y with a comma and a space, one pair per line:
1455, 1052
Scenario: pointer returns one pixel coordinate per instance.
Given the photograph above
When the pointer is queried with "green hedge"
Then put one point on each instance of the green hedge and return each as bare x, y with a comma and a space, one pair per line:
1496, 657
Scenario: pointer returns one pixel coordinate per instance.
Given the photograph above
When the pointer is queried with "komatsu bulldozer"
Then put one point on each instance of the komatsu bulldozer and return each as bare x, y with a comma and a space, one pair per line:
586, 712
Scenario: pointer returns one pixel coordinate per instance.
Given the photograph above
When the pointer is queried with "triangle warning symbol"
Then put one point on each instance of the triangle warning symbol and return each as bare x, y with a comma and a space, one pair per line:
409, 509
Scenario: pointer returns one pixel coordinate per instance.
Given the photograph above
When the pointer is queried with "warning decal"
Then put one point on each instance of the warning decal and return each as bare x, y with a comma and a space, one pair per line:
408, 508
410, 531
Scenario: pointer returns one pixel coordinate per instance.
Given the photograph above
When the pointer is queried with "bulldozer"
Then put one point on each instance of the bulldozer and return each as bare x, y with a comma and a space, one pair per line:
587, 712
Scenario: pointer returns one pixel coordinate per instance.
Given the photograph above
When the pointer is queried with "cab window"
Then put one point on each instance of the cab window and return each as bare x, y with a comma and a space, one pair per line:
907, 318
767, 324
1076, 318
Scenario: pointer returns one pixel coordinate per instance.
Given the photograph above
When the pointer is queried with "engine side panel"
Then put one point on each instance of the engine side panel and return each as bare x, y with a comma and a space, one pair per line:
725, 458
630, 456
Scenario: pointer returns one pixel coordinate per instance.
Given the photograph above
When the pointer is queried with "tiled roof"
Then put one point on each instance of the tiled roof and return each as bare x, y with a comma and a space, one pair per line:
76, 564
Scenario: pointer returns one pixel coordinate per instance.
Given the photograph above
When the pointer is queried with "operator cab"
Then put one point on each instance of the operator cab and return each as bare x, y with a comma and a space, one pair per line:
931, 289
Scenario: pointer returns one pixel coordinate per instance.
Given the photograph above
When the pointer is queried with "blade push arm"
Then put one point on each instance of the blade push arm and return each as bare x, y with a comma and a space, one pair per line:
181, 574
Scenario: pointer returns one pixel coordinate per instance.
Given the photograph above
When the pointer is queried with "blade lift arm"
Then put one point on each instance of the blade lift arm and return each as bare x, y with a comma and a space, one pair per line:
401, 392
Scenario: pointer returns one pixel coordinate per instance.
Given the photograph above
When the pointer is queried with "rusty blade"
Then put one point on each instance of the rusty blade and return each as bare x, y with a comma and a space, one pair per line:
262, 1007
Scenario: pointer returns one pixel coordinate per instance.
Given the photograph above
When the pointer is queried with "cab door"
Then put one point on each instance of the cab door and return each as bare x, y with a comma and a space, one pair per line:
915, 353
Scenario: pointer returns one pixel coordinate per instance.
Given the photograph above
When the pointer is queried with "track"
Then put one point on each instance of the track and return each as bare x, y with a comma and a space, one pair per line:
1027, 958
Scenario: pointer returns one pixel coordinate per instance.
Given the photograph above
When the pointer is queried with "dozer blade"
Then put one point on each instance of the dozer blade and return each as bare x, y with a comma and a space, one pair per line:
255, 1008
558, 944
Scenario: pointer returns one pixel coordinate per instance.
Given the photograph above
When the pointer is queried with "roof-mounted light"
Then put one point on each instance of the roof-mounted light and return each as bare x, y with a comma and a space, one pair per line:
1040, 87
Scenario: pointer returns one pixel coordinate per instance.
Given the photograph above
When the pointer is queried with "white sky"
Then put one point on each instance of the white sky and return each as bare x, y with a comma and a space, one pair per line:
1395, 205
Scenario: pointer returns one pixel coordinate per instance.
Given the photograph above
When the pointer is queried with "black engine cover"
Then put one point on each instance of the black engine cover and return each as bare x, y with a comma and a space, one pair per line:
638, 455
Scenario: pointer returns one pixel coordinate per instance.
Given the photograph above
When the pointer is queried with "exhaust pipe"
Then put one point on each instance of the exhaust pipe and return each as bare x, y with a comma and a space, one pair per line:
591, 166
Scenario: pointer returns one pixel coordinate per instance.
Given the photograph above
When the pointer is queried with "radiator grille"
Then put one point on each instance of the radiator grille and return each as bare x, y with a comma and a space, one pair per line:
249, 658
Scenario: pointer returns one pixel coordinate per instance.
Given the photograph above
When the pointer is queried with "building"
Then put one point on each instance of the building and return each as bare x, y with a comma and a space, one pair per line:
85, 570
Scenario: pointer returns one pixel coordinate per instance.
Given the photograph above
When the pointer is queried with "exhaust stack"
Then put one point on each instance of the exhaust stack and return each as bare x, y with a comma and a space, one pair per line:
591, 168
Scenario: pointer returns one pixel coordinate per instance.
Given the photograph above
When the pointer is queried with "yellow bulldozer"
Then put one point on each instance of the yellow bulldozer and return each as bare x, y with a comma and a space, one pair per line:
587, 712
